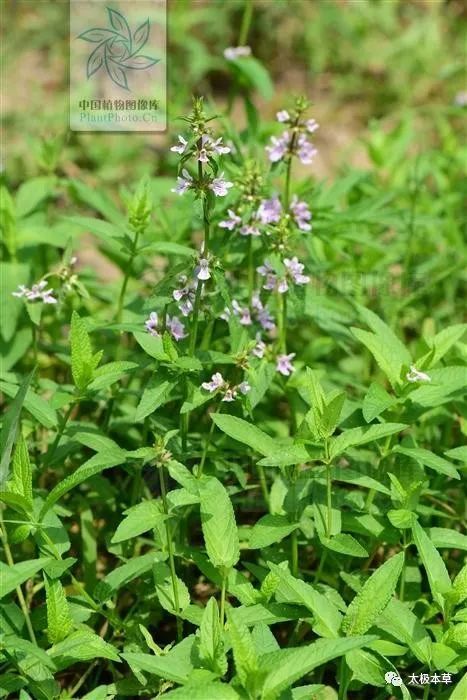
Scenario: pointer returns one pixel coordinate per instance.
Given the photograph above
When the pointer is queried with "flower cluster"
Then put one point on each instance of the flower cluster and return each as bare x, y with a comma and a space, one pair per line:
38, 291
246, 315
284, 365
269, 212
293, 141
230, 393
185, 295
293, 274
172, 324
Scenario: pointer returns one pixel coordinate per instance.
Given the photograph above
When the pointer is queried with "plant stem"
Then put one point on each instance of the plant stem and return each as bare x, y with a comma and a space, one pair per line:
121, 298
251, 269
50, 453
173, 573
264, 485
222, 610
19, 592
246, 22
328, 490
207, 443
294, 553
281, 322
402, 579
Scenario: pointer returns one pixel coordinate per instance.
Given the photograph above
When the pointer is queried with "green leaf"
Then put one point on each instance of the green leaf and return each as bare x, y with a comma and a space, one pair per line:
124, 574
270, 529
140, 518
165, 590
13, 576
211, 645
10, 425
218, 524
460, 691
152, 345
11, 275
327, 617
110, 373
175, 666
435, 568
93, 466
203, 690
375, 402
445, 383
32, 193
429, 459
59, 621
254, 75
35, 404
83, 362
443, 537
374, 596
344, 544
21, 475
82, 645
245, 432
444, 340
399, 621
360, 436
153, 397
331, 413
390, 354
244, 652
459, 453
289, 665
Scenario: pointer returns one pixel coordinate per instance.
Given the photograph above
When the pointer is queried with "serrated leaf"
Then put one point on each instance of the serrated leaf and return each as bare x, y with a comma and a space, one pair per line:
361, 436
343, 543
429, 459
375, 402
435, 568
327, 616
165, 590
244, 652
270, 529
244, 432
35, 404
82, 645
153, 397
443, 537
373, 598
13, 576
175, 666
289, 665
59, 621
218, 524
21, 474
83, 361
211, 645
140, 518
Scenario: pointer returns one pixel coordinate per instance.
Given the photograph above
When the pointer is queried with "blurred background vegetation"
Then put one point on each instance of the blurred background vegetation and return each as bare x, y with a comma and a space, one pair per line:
371, 68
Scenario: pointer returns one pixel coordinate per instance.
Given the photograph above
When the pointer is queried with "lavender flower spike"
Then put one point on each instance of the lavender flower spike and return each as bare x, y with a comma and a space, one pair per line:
232, 221
284, 365
176, 328
151, 324
301, 214
37, 291
278, 147
283, 116
295, 269
269, 211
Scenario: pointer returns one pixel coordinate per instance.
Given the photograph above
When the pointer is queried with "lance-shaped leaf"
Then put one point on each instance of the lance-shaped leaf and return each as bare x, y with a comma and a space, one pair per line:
435, 568
373, 598
138, 519
211, 644
361, 436
246, 433
83, 361
59, 621
21, 475
13, 576
245, 656
218, 524
10, 426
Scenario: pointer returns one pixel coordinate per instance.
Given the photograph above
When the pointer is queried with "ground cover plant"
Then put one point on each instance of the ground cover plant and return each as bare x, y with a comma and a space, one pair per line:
234, 467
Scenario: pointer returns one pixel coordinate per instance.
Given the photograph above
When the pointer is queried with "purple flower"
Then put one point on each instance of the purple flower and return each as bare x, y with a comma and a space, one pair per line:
185, 296
244, 388
269, 211
232, 221
37, 291
284, 365
305, 150
176, 328
278, 147
217, 381
151, 324
243, 312
219, 148
183, 183
265, 319
230, 395
249, 230
301, 214
295, 270
311, 125
181, 147
210, 148
234, 52
283, 116
282, 286
260, 347
202, 271
219, 186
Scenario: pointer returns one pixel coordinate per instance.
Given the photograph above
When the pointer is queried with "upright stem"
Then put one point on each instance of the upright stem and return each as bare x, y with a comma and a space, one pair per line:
207, 443
264, 485
294, 553
59, 435
328, 490
19, 592
173, 573
281, 321
121, 298
222, 610
251, 269
402, 579
246, 22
